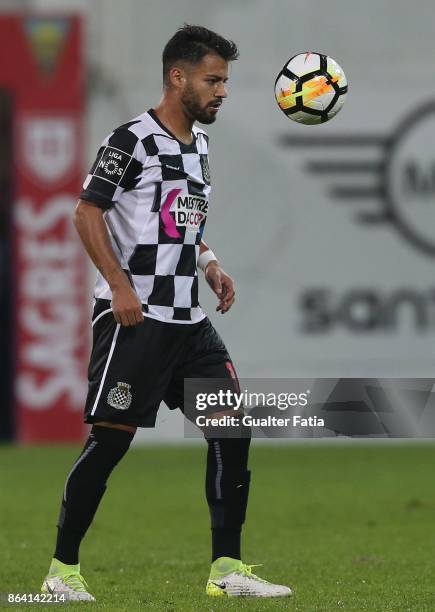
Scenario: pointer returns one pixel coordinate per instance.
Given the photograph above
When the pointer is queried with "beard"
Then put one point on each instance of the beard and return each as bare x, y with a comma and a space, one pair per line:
195, 110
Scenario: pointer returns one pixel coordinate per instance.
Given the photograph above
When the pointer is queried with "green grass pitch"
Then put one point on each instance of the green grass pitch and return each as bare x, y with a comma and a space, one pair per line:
348, 527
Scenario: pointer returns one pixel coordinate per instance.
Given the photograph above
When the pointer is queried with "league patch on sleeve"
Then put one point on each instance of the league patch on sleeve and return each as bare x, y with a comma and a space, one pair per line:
112, 165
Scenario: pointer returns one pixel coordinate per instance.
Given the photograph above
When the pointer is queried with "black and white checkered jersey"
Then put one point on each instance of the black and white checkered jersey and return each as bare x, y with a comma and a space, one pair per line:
154, 190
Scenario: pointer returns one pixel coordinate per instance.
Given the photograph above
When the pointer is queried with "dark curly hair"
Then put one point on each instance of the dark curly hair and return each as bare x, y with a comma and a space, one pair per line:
191, 43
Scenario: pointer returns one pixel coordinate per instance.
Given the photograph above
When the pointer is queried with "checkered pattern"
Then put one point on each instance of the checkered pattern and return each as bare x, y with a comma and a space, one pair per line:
154, 190
120, 397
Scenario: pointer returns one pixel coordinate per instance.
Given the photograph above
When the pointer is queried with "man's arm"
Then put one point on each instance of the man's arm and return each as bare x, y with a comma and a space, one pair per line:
203, 247
220, 282
90, 224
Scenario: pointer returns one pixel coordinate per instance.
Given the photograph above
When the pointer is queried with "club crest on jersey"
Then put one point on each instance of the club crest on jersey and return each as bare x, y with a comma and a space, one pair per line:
190, 211
205, 168
120, 397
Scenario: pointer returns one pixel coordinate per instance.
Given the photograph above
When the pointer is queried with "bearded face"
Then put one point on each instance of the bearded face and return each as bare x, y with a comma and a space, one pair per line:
204, 89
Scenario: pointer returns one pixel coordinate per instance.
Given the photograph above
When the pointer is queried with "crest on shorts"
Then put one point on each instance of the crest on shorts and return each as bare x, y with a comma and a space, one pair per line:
120, 397
205, 168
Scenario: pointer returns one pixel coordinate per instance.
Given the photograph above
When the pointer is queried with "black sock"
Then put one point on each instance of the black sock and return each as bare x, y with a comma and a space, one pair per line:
227, 489
85, 486
225, 543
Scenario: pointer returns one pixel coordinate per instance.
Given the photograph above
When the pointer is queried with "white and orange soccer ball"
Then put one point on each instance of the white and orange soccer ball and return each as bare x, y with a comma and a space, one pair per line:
311, 88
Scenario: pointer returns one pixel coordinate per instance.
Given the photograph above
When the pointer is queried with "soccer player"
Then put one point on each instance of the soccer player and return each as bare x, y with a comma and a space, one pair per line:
141, 218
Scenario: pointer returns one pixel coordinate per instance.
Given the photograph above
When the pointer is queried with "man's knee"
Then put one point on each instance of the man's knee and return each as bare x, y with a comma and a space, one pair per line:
121, 426
227, 481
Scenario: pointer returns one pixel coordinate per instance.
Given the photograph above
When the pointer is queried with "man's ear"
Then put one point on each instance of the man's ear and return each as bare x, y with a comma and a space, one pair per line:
177, 76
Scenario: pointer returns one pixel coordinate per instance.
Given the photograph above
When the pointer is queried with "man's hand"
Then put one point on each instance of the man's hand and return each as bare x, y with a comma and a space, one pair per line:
221, 284
126, 306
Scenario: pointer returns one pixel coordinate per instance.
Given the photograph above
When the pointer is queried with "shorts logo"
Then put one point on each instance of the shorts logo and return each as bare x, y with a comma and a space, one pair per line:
112, 165
120, 397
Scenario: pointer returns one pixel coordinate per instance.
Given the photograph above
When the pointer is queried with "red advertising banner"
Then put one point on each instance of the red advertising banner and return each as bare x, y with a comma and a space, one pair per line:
45, 73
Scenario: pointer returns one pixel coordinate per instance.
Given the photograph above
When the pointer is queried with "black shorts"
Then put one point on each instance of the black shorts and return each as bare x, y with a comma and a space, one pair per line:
133, 369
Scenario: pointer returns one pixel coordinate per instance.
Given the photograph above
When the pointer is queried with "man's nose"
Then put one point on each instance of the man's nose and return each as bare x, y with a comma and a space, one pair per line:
221, 91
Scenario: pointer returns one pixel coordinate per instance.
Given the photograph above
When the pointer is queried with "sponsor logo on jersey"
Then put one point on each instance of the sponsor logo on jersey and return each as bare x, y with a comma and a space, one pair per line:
112, 165
120, 397
190, 211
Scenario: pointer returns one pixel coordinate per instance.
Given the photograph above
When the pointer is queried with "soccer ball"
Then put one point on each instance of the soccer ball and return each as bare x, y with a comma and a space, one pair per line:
311, 88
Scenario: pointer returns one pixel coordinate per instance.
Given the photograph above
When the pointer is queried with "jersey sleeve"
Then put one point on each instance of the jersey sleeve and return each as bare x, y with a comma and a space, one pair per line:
116, 169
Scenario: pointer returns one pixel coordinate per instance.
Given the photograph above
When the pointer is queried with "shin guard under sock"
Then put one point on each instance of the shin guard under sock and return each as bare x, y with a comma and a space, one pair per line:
85, 486
227, 489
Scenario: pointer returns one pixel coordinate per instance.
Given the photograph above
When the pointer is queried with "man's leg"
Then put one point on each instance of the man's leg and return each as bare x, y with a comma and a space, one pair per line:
86, 483
227, 489
205, 357
84, 488
126, 385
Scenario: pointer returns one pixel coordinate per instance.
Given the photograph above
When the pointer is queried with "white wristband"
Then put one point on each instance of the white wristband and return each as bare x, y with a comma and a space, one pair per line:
205, 258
